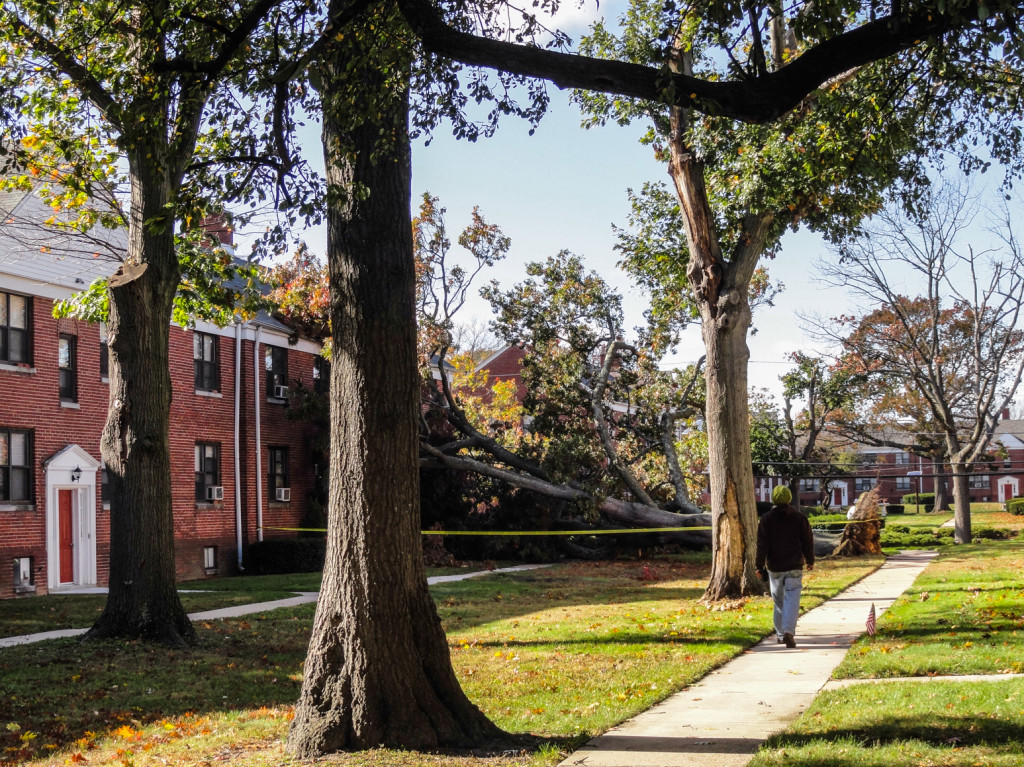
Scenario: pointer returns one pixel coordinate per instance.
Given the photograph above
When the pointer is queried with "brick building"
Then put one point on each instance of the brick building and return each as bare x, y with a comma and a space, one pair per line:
897, 473
240, 467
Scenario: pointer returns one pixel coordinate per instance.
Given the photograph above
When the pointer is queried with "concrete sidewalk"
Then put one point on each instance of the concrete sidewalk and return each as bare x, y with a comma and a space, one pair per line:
721, 720
237, 611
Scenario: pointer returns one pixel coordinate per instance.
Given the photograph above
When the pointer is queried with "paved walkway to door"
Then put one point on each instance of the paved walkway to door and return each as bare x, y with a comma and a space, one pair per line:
237, 611
721, 720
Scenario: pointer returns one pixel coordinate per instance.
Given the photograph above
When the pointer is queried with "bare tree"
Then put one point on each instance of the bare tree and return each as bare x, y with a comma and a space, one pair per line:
958, 343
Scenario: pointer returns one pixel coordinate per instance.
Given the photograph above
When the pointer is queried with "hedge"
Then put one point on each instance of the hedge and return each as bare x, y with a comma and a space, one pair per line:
900, 536
286, 555
1015, 506
925, 500
894, 508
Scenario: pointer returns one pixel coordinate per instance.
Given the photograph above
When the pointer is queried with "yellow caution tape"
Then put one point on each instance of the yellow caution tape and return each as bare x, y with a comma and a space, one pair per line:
516, 532
625, 531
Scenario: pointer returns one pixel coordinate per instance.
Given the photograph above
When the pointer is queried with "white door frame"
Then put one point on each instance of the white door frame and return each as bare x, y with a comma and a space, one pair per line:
844, 493
1001, 484
59, 468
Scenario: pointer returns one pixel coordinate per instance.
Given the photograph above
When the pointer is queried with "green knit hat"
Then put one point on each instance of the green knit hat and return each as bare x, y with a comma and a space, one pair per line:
781, 496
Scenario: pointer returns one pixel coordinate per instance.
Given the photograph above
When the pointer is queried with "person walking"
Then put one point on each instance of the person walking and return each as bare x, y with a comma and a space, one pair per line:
784, 544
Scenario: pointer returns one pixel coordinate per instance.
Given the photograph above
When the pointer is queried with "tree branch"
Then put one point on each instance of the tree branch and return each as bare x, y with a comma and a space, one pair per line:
89, 85
756, 100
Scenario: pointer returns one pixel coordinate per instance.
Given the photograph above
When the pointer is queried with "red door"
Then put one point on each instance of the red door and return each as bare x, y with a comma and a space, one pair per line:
66, 544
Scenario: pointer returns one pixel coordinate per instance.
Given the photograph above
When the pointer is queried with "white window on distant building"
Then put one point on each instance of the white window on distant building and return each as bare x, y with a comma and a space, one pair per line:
903, 483
809, 485
978, 482
863, 484
902, 458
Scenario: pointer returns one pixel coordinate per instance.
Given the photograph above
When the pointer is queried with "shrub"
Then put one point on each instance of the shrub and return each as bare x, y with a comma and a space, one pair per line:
1015, 506
816, 511
919, 539
894, 508
993, 533
926, 501
829, 523
286, 555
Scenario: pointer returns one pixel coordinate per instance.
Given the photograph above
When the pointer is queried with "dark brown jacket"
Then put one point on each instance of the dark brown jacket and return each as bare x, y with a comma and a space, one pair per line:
784, 540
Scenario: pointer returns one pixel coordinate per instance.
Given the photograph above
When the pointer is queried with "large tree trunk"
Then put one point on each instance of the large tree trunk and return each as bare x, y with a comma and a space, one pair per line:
961, 503
721, 290
734, 515
378, 671
135, 445
939, 481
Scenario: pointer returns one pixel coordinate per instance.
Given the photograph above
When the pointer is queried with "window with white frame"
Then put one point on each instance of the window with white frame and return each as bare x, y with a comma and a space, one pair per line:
278, 465
104, 352
15, 465
321, 375
275, 359
67, 365
207, 470
863, 484
903, 483
15, 314
978, 482
809, 485
902, 458
205, 352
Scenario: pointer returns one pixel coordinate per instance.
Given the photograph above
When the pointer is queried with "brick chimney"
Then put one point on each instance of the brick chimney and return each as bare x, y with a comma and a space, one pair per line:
1005, 414
219, 229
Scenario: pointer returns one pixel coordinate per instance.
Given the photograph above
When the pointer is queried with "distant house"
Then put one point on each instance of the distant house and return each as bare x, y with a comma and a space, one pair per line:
240, 469
897, 473
505, 364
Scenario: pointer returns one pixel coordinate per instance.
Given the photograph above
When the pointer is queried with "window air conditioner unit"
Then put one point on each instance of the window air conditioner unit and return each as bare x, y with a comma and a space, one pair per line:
215, 493
281, 392
283, 494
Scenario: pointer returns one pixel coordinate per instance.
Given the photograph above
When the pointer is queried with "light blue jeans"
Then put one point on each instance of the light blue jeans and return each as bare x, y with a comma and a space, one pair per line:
786, 587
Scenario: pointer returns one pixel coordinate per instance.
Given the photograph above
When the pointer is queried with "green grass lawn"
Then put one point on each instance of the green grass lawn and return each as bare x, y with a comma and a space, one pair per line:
31, 615
561, 653
963, 615
933, 519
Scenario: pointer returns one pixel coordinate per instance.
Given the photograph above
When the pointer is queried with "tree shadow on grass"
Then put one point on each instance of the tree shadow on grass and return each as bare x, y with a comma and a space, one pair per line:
63, 690
961, 731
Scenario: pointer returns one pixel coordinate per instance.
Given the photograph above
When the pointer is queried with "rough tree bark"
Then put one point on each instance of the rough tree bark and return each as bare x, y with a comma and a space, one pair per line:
378, 671
961, 502
721, 290
938, 459
142, 601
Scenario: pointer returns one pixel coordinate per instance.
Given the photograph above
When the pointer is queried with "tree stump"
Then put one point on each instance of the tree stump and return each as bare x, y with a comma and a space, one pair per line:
864, 537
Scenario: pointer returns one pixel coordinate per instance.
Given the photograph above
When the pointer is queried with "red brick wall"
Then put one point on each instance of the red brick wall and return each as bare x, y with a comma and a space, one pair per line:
30, 401
508, 365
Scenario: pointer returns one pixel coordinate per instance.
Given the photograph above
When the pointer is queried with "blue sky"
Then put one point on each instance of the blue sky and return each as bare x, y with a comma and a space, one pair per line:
565, 187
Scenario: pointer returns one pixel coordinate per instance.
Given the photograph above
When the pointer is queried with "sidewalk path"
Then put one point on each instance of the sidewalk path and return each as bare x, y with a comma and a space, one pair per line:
721, 720
237, 611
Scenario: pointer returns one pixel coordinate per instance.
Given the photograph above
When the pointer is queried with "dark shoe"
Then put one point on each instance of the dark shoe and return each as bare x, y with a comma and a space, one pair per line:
789, 641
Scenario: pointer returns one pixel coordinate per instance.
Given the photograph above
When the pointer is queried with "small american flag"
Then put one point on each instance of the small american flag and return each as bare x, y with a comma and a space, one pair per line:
870, 623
